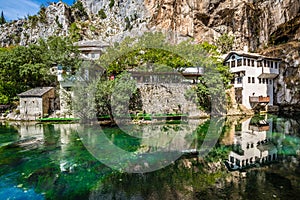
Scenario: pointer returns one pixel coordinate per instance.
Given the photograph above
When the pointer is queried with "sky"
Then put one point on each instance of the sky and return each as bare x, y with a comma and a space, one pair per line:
16, 9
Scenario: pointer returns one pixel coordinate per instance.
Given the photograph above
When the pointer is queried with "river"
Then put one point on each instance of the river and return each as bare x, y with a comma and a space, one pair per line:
228, 158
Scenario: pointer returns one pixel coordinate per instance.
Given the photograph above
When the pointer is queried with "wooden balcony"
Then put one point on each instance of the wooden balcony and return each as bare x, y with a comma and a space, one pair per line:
259, 128
259, 99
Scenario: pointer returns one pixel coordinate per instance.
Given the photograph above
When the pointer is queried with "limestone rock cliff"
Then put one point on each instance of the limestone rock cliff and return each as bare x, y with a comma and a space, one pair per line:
52, 20
287, 84
252, 22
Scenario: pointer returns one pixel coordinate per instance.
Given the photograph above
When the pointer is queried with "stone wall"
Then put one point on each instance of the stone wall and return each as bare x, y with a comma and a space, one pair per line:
167, 98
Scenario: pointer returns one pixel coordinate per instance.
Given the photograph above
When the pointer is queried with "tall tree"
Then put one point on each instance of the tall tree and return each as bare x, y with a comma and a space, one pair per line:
2, 19
152, 51
22, 68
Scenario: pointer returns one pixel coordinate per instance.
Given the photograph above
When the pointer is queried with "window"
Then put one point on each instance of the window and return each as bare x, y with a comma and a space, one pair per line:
259, 80
249, 80
231, 159
244, 61
270, 81
265, 63
267, 81
253, 80
263, 81
233, 63
271, 63
239, 80
258, 63
252, 63
239, 62
276, 65
248, 61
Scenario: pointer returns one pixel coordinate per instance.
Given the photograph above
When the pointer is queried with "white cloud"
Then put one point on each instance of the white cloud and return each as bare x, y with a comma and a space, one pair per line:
14, 9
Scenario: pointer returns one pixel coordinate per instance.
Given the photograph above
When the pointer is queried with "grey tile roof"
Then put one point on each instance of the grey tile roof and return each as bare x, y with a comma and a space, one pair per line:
35, 92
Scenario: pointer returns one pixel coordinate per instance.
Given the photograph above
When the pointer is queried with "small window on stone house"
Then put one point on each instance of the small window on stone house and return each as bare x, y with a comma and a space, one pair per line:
249, 79
253, 80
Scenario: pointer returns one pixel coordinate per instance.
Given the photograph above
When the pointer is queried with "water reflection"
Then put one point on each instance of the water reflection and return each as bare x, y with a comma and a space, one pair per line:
261, 140
49, 161
252, 143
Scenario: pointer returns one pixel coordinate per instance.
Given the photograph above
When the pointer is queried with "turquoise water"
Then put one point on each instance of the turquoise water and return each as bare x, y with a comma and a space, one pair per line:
254, 158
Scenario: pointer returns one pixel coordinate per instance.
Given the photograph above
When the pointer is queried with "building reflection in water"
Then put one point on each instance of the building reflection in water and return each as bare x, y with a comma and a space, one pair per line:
252, 144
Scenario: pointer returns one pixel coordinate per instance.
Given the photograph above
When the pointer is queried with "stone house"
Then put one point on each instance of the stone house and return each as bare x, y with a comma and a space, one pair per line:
254, 76
36, 103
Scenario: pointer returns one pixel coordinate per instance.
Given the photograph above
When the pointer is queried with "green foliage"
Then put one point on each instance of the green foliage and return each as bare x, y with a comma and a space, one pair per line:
225, 43
103, 97
153, 51
74, 32
42, 14
33, 20
2, 19
111, 3
79, 10
128, 24
102, 14
22, 67
58, 23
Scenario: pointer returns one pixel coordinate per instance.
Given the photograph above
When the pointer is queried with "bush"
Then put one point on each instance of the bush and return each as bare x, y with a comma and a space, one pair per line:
111, 3
102, 14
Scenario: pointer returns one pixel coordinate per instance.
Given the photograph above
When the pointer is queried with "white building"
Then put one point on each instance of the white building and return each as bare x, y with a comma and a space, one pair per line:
89, 52
253, 77
91, 49
252, 144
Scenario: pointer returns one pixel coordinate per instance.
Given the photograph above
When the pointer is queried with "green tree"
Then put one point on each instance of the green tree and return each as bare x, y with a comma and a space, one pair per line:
2, 19
152, 52
23, 67
225, 43
80, 10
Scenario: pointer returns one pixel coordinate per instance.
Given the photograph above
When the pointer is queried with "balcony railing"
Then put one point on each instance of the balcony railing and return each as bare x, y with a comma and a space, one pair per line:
259, 99
259, 128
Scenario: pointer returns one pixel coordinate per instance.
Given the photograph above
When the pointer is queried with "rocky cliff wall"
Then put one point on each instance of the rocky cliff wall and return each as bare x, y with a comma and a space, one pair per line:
287, 84
252, 22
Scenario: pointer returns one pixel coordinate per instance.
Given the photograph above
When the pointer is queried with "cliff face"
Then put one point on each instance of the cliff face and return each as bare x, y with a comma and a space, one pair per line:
287, 84
95, 19
53, 20
252, 22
